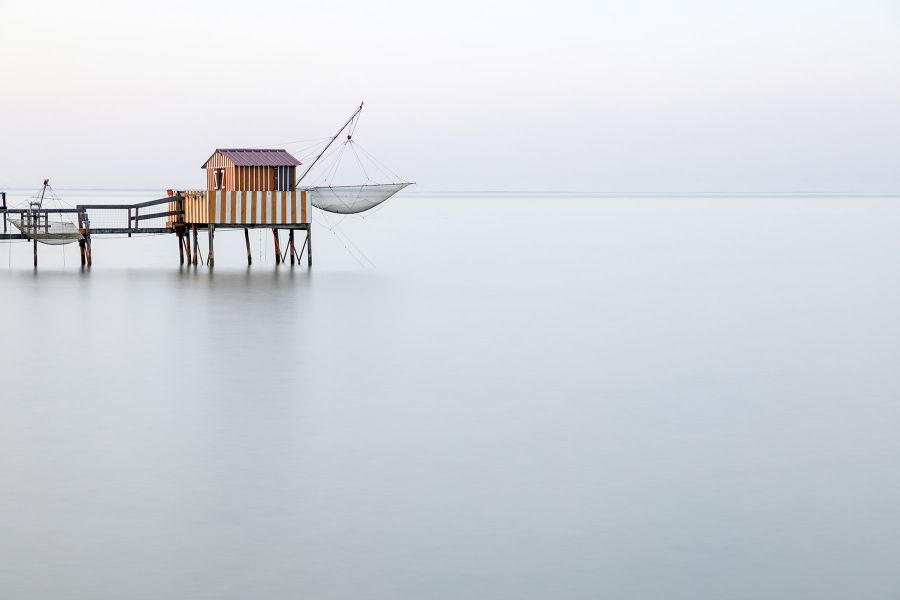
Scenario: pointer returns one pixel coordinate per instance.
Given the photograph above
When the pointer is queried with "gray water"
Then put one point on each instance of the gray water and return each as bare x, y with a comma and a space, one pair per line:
497, 396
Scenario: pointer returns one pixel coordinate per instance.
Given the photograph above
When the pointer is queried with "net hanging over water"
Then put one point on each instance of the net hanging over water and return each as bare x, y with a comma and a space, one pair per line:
48, 232
352, 199
35, 223
380, 183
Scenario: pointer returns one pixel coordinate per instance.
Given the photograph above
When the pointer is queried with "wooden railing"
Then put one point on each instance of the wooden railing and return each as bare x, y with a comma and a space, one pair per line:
109, 218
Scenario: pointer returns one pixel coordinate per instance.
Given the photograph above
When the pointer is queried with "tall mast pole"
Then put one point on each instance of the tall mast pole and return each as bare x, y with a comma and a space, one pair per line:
43, 189
331, 141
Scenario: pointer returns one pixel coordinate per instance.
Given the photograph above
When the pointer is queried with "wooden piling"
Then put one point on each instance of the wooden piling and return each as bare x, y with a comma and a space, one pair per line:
291, 250
81, 241
180, 248
300, 254
35, 253
277, 246
87, 247
196, 246
309, 245
211, 258
247, 241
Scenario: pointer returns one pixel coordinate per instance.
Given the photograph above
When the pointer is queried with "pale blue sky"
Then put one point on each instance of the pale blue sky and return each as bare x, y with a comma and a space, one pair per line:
643, 95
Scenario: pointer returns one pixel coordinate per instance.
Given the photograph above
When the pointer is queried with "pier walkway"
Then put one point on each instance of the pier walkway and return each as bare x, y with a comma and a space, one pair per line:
163, 215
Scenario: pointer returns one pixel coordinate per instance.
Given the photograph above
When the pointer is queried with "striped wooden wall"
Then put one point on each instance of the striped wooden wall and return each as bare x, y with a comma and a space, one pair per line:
246, 207
172, 220
248, 178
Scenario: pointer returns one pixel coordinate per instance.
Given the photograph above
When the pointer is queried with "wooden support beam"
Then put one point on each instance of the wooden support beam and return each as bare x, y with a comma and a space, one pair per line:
134, 230
35, 253
81, 241
211, 258
87, 247
247, 241
180, 248
277, 246
302, 248
291, 249
196, 246
309, 246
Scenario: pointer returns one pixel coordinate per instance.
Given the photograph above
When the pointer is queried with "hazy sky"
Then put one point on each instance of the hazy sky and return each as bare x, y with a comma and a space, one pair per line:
638, 95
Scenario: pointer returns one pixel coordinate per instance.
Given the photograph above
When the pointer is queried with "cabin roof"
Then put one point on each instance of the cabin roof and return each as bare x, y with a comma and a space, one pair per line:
256, 157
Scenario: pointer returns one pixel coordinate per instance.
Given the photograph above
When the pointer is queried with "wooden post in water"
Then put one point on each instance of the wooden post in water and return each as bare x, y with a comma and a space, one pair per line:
309, 245
291, 250
196, 245
87, 245
180, 248
187, 244
35, 253
247, 241
211, 259
277, 246
81, 241
300, 254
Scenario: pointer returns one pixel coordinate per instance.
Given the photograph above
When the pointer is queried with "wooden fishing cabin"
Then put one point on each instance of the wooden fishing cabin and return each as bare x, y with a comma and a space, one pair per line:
249, 188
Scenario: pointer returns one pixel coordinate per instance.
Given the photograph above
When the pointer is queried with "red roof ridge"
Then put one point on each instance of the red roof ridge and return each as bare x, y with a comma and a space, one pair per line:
256, 157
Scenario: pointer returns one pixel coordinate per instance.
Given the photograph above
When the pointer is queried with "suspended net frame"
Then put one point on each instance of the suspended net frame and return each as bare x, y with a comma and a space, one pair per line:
36, 223
46, 231
379, 182
352, 199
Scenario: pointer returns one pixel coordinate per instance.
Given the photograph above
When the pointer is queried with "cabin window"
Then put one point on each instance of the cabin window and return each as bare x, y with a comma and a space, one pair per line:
220, 178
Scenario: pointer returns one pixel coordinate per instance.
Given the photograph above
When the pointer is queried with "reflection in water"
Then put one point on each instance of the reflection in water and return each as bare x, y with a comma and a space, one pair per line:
529, 397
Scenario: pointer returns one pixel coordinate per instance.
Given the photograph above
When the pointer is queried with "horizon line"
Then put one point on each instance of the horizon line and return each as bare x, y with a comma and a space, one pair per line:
532, 191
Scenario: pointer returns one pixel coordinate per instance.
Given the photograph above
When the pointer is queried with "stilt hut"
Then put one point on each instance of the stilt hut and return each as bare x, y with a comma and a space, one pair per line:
250, 188
247, 186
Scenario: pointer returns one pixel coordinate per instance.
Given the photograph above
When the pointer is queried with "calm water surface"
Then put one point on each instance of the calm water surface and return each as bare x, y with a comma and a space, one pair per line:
497, 396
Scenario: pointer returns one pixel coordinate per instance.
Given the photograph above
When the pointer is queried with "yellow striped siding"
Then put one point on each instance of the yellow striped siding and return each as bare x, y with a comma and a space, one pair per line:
252, 207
